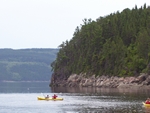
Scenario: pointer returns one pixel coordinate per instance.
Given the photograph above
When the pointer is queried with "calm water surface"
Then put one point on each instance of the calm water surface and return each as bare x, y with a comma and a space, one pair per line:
21, 97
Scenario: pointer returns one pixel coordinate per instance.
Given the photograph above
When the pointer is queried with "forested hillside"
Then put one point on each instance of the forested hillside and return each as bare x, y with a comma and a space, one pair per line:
117, 44
26, 64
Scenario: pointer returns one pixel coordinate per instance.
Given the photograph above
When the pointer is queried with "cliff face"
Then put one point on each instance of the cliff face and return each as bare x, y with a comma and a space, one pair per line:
103, 81
117, 44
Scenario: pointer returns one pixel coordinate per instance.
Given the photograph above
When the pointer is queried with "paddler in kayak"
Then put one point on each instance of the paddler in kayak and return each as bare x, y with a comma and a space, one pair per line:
147, 101
54, 96
47, 96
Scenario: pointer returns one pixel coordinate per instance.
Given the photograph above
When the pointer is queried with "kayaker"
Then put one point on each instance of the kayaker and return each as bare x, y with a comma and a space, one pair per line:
147, 101
54, 97
47, 96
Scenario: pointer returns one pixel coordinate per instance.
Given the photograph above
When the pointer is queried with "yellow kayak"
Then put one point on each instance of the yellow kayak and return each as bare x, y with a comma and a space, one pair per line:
50, 98
146, 105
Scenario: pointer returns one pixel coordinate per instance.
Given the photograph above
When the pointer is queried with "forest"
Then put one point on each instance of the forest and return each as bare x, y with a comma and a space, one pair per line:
115, 45
26, 64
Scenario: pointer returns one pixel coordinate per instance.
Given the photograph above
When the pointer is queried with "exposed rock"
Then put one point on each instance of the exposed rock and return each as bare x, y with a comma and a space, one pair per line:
142, 78
106, 81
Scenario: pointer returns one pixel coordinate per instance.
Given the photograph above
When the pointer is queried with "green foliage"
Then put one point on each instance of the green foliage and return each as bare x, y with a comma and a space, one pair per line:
118, 44
26, 64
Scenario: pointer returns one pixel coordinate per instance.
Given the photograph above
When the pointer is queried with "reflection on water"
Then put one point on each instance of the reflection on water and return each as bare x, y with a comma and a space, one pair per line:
147, 109
76, 100
103, 91
112, 100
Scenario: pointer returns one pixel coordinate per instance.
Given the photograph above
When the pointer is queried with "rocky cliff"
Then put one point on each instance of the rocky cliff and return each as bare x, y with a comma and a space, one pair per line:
103, 81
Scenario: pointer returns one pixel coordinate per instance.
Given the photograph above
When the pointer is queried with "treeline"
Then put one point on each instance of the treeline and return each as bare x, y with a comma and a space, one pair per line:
26, 64
117, 44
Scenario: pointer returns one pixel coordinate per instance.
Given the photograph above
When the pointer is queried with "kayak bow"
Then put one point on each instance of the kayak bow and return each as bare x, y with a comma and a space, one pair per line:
146, 105
43, 98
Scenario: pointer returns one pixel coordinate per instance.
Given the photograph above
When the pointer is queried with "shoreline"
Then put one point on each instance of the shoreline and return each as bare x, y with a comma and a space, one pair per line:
22, 81
81, 80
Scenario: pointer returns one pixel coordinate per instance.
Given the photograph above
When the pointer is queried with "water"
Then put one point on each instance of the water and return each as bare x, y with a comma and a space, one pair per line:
24, 87
21, 97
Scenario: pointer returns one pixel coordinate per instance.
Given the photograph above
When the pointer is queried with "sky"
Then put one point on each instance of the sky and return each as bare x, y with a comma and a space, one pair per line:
48, 23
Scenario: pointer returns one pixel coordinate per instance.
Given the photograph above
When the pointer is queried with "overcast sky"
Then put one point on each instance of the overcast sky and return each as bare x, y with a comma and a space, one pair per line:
48, 23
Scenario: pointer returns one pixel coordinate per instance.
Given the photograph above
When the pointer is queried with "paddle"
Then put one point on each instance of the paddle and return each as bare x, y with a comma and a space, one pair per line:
46, 97
43, 95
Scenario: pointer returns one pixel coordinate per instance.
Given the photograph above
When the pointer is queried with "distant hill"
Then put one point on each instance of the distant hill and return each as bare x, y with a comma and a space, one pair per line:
26, 64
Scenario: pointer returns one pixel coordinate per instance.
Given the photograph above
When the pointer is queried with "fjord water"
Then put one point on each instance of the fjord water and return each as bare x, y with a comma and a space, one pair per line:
21, 97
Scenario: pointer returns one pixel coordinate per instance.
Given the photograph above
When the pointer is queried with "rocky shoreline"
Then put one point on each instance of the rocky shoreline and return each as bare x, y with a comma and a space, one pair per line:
142, 81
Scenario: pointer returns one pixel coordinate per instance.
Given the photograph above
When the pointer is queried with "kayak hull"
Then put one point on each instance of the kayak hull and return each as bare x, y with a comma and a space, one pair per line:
43, 98
146, 105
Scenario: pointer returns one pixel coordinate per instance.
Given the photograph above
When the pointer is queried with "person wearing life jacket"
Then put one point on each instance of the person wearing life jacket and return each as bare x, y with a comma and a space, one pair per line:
47, 96
147, 101
54, 96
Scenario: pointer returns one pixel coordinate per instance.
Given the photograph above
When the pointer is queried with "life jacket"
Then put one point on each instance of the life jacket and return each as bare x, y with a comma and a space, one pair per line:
55, 96
147, 102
